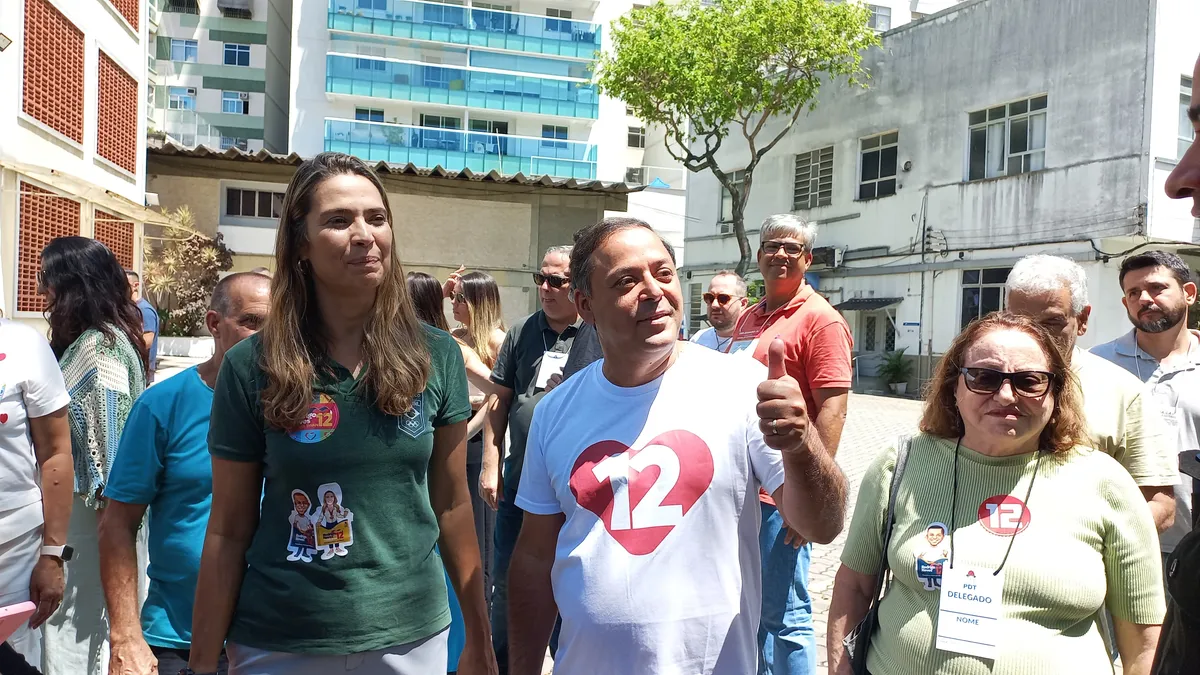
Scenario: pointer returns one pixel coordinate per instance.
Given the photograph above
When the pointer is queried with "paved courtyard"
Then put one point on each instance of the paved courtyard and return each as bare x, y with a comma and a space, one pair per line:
872, 425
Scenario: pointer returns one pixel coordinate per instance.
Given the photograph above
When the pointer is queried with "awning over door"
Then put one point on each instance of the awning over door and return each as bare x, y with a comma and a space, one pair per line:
867, 304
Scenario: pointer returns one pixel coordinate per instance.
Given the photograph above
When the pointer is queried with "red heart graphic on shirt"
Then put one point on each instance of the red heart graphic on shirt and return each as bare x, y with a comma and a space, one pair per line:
3, 356
642, 494
3, 418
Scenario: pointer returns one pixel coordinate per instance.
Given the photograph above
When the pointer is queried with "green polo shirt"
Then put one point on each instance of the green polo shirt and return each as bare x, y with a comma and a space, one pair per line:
343, 557
516, 367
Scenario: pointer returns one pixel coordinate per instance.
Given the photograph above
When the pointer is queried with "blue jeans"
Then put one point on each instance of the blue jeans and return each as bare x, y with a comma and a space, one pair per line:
508, 526
787, 644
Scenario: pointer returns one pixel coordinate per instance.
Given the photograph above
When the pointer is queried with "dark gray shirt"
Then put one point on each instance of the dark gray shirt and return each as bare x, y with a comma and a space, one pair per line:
516, 368
584, 351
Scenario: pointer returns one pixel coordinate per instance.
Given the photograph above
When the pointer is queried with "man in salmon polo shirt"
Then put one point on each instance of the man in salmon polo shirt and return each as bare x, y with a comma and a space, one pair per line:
817, 341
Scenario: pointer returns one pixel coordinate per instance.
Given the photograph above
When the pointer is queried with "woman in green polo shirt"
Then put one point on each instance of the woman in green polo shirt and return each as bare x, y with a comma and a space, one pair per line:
348, 417
1010, 538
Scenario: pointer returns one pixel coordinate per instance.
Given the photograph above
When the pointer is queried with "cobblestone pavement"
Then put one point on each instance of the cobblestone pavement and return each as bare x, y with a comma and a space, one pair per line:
872, 425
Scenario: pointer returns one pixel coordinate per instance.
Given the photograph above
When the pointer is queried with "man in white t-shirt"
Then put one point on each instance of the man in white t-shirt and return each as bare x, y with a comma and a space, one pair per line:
725, 302
36, 479
641, 483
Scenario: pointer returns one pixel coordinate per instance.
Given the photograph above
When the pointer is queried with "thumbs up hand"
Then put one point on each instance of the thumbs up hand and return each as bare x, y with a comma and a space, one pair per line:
782, 415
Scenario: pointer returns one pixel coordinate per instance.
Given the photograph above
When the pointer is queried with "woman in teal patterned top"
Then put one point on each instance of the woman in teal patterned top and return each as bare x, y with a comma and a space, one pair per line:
95, 331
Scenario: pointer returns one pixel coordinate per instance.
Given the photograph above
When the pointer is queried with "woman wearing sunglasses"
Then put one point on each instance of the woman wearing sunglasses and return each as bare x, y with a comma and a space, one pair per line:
1009, 538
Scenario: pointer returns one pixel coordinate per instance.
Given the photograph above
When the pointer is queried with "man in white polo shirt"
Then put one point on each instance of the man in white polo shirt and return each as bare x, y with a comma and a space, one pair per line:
1163, 353
641, 483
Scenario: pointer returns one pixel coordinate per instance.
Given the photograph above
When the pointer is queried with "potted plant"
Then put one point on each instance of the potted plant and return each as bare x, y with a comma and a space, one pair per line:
895, 370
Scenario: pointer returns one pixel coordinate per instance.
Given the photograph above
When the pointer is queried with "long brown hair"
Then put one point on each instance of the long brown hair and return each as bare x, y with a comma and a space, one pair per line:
89, 290
428, 300
482, 294
294, 339
1066, 428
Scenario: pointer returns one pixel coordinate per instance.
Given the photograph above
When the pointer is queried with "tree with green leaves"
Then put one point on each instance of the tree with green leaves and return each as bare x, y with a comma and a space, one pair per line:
705, 71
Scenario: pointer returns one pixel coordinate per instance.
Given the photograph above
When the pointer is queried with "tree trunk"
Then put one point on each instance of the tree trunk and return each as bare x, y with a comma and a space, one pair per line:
739, 199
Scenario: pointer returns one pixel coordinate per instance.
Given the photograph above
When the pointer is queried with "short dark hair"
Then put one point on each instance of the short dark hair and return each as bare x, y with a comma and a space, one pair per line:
133, 275
936, 526
222, 295
1179, 269
589, 238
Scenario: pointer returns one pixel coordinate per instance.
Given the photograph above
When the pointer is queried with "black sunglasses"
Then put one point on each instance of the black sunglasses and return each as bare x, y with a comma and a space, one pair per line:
553, 280
722, 298
1026, 383
459, 297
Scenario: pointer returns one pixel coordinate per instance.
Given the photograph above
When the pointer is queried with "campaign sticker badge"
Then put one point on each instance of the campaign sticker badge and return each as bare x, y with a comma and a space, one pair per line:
321, 422
932, 556
1004, 515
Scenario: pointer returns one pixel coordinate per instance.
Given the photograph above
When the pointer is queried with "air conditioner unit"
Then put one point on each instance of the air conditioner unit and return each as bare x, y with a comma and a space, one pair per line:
827, 256
191, 91
243, 96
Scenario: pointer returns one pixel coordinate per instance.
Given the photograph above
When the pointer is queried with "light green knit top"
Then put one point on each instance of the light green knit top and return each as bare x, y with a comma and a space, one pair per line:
1089, 542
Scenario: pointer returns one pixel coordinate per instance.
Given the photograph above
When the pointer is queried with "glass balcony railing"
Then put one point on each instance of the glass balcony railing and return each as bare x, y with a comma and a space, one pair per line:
425, 83
460, 25
455, 149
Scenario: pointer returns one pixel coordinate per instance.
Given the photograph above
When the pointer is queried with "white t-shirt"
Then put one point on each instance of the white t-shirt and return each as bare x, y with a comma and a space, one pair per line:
31, 385
657, 566
709, 338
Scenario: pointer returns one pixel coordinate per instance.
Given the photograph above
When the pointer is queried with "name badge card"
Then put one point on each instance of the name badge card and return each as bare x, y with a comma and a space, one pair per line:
552, 363
970, 611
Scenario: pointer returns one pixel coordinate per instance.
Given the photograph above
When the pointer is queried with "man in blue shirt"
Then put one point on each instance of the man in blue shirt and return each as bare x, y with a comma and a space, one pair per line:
163, 463
149, 320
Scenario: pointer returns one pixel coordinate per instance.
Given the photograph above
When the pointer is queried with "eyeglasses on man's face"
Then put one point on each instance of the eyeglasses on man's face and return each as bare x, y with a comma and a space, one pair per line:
553, 280
1025, 383
791, 248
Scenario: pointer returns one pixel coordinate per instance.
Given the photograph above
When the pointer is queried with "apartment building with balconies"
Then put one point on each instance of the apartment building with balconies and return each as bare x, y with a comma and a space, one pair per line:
220, 72
481, 86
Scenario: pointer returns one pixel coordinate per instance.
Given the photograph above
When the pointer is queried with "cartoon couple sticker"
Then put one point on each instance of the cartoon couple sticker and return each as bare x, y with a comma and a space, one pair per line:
328, 529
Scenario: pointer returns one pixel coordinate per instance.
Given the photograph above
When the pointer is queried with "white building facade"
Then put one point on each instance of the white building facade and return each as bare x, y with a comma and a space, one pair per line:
220, 71
989, 131
72, 135
472, 85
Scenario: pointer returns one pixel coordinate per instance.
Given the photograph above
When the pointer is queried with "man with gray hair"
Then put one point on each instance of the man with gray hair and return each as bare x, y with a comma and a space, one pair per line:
163, 465
535, 349
817, 344
725, 301
1124, 423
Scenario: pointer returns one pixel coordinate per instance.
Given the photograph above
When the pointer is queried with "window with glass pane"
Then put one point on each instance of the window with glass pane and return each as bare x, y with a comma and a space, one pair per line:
725, 222
982, 292
443, 13
555, 25
814, 179
184, 50
237, 55
368, 114
1187, 131
870, 326
372, 5
881, 18
889, 336
181, 98
637, 137
235, 102
251, 203
878, 173
551, 131
1007, 140
231, 142
697, 312
636, 174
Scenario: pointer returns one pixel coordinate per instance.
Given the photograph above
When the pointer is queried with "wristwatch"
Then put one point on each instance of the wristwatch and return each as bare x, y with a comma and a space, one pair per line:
63, 553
